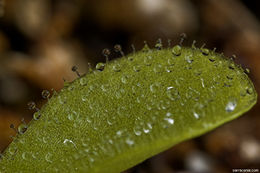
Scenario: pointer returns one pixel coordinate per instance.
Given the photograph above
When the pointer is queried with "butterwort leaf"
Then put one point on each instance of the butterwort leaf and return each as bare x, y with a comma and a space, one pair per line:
131, 109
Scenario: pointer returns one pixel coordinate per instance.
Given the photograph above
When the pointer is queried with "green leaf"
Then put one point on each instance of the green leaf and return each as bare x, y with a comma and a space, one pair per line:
129, 110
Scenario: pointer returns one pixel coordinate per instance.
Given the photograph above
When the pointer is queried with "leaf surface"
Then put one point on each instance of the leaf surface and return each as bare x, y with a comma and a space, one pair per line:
138, 106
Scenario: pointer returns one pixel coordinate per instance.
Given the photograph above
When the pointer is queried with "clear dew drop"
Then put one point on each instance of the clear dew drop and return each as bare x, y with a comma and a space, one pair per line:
116, 68
91, 159
95, 127
149, 125
146, 47
212, 58
92, 87
111, 120
168, 69
137, 131
46, 94
247, 71
249, 90
146, 130
89, 119
84, 98
202, 82
91, 106
176, 50
168, 114
122, 90
230, 76
199, 110
169, 120
83, 143
196, 115
171, 61
36, 115
161, 105
12, 150
119, 133
172, 93
205, 51
134, 88
130, 58
45, 140
243, 93
76, 156
124, 79
231, 106
118, 94
22, 128
137, 68
100, 66
70, 87
148, 107
227, 84
155, 87
158, 68
159, 45
129, 142
48, 157
22, 141
197, 72
121, 110
179, 81
188, 67
192, 94
25, 155
34, 155
66, 83
70, 117
148, 60
61, 100
189, 59
232, 66
110, 141
138, 100
68, 142
83, 81
104, 87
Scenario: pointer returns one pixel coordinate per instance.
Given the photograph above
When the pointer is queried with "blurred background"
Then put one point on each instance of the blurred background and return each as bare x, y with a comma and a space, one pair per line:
40, 40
